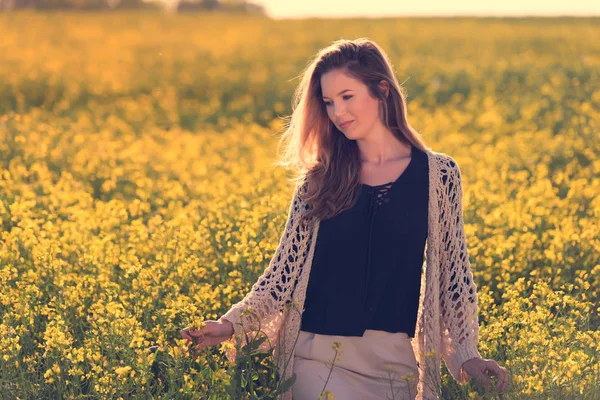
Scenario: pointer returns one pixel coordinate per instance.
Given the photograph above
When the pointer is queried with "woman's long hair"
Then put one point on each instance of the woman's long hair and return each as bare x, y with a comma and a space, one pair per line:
327, 164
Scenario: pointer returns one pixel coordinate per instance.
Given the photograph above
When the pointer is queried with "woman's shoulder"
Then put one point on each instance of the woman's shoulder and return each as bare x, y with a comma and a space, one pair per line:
299, 196
301, 188
444, 160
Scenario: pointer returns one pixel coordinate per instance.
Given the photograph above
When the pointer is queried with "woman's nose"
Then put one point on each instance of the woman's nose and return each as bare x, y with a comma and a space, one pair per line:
339, 111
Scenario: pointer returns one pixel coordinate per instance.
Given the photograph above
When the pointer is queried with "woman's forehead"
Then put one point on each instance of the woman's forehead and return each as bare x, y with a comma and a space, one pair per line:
334, 82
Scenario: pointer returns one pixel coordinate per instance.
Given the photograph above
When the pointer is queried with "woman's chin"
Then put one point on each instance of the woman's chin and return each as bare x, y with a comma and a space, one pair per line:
351, 135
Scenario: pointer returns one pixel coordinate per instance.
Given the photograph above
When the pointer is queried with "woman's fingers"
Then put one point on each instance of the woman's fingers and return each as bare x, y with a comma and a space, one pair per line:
500, 372
199, 339
191, 332
503, 379
186, 335
482, 369
483, 378
208, 340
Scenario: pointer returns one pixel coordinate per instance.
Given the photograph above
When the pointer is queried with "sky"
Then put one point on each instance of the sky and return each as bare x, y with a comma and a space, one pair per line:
390, 8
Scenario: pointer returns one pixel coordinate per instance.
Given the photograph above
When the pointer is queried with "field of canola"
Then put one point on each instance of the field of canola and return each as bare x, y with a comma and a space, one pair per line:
137, 195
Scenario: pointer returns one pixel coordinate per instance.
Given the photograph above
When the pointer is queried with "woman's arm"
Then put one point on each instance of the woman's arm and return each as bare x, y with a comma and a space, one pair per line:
274, 287
458, 293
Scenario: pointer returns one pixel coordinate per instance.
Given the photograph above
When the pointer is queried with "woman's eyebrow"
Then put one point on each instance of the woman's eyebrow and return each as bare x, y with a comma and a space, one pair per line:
343, 91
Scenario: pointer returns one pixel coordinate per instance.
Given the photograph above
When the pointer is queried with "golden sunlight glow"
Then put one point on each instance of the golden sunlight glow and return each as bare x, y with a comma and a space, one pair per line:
388, 8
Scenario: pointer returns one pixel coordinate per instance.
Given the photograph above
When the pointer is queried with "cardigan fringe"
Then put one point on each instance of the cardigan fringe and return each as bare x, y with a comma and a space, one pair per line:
447, 319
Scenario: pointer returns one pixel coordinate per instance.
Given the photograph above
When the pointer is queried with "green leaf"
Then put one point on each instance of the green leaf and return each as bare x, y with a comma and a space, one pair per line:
255, 344
286, 385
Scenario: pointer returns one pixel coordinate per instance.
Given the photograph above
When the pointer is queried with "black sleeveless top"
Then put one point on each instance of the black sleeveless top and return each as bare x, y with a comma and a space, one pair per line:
366, 269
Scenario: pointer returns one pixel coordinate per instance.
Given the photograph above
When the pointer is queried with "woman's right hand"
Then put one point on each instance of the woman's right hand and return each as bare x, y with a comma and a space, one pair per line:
213, 333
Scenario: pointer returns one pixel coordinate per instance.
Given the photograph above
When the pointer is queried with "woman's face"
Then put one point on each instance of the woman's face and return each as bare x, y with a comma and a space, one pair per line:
347, 99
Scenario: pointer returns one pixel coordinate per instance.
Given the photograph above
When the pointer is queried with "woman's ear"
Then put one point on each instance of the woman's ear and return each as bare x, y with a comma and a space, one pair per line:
384, 86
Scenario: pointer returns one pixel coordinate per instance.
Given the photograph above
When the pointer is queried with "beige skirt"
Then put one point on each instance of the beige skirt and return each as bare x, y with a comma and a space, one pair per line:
378, 365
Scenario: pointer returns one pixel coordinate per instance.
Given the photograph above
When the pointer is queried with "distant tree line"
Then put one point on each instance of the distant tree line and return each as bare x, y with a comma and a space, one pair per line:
237, 6
234, 6
8, 5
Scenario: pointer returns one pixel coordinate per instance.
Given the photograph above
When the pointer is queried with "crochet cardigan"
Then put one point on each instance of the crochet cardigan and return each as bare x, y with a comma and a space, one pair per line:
447, 319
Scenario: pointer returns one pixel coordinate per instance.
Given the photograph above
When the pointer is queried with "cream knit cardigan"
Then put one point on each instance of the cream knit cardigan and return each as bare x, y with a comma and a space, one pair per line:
447, 319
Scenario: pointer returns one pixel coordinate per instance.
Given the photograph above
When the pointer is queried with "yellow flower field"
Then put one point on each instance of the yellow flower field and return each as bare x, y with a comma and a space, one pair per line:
137, 194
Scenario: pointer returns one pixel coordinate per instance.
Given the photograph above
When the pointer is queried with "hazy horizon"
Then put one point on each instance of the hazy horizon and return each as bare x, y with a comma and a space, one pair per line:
381, 8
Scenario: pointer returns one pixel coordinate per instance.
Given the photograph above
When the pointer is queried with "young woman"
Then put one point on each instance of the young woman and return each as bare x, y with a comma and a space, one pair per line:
372, 203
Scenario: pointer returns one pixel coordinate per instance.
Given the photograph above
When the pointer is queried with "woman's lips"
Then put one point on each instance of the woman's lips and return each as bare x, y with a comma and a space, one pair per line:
346, 124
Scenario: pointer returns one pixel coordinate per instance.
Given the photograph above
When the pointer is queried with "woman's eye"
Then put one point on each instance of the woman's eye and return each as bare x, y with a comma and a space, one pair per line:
327, 103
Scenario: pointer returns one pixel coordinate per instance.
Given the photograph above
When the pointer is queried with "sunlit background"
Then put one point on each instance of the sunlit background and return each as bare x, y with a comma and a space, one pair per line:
387, 8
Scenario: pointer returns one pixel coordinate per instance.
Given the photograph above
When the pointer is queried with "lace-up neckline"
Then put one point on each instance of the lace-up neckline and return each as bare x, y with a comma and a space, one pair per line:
379, 194
390, 184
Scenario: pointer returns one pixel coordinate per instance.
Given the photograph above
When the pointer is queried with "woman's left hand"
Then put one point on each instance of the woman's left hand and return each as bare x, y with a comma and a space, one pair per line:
477, 368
